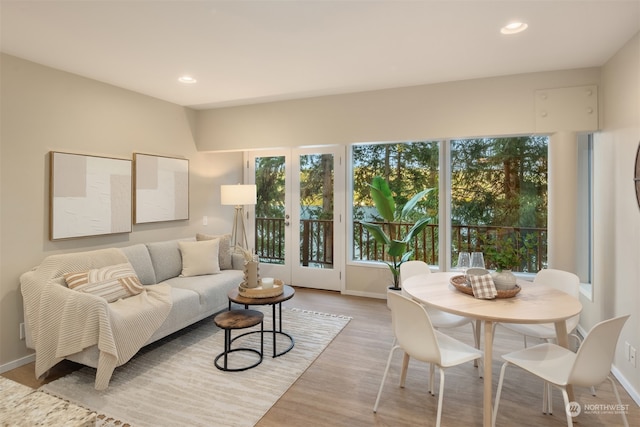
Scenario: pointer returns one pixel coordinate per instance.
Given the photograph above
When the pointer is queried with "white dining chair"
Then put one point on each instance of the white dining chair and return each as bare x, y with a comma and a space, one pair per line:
416, 336
439, 319
558, 279
560, 367
568, 283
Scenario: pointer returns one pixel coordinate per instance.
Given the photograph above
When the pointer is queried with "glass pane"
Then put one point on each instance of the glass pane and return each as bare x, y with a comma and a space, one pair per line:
316, 210
499, 201
409, 168
270, 209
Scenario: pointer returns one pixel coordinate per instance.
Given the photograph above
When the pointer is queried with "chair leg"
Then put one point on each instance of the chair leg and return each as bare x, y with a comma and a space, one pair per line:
498, 393
545, 401
615, 391
384, 376
403, 372
565, 398
441, 397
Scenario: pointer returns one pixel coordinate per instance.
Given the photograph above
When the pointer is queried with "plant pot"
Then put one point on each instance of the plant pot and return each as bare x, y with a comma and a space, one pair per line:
392, 289
504, 280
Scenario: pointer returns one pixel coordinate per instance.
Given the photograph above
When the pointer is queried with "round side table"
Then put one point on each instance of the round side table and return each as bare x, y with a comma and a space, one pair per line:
238, 319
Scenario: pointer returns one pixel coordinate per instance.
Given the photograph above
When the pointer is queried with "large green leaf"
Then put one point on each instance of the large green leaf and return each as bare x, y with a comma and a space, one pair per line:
397, 248
408, 207
416, 229
377, 232
383, 198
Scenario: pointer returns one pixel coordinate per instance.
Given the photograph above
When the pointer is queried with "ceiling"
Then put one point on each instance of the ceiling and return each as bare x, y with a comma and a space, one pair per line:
244, 52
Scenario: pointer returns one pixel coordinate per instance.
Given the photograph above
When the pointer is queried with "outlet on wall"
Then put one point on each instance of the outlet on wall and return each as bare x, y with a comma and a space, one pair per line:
22, 333
632, 356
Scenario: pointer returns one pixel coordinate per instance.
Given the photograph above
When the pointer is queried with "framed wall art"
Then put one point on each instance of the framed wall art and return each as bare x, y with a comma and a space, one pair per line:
88, 195
161, 188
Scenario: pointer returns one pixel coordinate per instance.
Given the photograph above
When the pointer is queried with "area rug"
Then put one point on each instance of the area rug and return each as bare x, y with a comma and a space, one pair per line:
23, 406
175, 383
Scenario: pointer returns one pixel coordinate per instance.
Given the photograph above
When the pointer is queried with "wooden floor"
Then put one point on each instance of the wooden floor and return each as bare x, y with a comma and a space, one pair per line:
340, 388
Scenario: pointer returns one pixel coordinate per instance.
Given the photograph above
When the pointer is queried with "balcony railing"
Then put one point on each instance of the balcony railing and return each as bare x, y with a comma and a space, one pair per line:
316, 245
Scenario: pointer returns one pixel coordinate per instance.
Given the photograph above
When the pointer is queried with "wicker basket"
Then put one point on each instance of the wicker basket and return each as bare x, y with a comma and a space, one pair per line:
278, 289
460, 283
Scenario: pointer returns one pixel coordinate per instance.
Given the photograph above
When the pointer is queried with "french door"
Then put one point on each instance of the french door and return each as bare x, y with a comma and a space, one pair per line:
298, 224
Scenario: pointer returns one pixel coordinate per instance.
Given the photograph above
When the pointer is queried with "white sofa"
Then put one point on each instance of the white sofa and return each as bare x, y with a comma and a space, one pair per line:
158, 267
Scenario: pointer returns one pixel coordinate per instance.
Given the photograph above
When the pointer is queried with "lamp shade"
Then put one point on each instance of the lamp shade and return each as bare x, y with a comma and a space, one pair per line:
237, 195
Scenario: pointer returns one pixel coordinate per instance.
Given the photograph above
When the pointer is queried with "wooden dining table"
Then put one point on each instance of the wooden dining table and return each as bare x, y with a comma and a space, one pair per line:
535, 303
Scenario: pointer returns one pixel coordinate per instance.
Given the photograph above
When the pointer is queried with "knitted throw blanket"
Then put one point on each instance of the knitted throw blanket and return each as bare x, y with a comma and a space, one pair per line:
63, 321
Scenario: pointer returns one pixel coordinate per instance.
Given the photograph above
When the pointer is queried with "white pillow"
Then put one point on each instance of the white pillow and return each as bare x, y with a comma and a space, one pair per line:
199, 258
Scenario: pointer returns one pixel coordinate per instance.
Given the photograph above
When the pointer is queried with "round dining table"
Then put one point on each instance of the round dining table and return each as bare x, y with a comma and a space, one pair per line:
535, 303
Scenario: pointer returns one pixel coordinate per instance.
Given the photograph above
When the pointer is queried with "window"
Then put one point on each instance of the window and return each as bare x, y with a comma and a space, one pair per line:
499, 199
497, 188
584, 219
409, 168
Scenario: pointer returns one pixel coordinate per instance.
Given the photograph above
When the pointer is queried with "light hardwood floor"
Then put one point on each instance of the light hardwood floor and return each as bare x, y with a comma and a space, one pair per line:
340, 387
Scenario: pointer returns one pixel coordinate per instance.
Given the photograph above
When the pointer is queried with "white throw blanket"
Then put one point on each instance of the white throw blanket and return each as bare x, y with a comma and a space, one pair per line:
63, 321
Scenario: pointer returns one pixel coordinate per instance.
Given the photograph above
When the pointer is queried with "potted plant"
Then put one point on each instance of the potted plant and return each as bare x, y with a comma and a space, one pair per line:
389, 232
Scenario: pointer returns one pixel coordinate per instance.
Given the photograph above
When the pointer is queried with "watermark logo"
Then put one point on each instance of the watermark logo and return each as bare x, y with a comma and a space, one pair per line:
573, 409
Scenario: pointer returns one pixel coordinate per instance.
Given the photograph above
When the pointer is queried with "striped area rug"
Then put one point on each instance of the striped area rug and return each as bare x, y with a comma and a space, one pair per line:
175, 383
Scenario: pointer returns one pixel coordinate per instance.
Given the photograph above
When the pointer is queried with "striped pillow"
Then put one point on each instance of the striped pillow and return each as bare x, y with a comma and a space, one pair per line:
111, 283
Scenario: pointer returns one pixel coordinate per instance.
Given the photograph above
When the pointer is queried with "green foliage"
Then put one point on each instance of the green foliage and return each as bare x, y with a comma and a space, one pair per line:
397, 247
504, 254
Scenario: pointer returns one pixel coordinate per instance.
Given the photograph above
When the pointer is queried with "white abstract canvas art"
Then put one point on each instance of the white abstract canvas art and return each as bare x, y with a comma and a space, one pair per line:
161, 188
89, 195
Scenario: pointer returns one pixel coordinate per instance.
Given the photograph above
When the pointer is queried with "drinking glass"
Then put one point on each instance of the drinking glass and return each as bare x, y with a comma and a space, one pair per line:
463, 261
477, 260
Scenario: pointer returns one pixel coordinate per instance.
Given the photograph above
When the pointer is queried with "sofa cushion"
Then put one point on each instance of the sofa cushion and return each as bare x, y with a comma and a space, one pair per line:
166, 259
199, 258
138, 256
224, 252
211, 289
111, 283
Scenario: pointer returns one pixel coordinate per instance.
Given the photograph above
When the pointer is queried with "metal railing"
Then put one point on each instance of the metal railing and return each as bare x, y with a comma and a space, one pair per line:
316, 245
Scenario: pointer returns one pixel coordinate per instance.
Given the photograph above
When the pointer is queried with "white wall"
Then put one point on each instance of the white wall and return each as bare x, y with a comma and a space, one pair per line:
43, 109
616, 281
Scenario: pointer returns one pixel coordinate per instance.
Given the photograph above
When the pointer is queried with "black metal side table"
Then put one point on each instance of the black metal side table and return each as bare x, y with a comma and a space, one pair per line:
287, 293
239, 319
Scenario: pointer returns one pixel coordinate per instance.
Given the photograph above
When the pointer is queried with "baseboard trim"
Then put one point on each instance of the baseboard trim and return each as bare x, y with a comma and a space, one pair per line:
626, 385
17, 363
364, 294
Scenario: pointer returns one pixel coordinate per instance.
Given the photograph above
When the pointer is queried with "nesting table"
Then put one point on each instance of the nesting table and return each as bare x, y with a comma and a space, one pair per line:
238, 319
287, 294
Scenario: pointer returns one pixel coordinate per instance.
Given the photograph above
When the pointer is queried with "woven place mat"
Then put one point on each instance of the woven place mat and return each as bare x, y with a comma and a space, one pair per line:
460, 283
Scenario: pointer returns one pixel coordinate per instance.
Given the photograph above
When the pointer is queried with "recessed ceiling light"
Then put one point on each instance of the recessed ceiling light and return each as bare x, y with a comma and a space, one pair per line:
514, 28
187, 80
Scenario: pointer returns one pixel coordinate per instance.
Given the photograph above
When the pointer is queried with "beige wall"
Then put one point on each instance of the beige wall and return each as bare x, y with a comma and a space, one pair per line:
616, 281
493, 106
44, 109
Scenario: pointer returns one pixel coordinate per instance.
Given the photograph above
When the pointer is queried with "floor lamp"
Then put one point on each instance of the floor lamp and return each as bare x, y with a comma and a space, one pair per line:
238, 196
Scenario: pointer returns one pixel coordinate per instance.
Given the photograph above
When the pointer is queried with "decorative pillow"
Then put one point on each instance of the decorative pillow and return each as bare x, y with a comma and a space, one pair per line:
111, 283
199, 258
224, 252
483, 286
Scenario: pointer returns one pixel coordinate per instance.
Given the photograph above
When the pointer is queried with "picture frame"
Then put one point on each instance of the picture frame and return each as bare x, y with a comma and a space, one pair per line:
161, 188
88, 195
